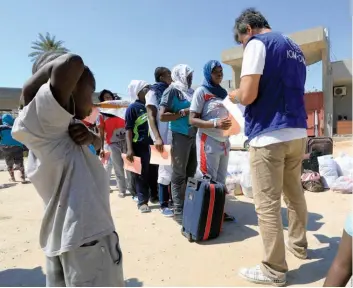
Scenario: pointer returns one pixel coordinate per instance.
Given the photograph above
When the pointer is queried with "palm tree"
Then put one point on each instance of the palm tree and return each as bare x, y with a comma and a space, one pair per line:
44, 44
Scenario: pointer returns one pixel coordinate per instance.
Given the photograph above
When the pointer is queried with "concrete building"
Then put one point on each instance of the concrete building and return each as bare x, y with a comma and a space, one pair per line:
315, 46
342, 96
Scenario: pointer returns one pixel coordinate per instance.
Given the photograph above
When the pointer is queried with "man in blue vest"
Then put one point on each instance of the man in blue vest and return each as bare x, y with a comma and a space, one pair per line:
272, 89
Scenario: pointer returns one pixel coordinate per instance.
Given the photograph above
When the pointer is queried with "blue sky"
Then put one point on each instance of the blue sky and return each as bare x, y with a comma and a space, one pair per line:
123, 40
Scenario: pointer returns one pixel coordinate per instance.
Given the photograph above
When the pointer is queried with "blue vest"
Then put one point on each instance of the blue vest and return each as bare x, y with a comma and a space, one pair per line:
280, 100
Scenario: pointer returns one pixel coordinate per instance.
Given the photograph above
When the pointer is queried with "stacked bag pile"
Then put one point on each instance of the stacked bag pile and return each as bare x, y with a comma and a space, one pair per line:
331, 173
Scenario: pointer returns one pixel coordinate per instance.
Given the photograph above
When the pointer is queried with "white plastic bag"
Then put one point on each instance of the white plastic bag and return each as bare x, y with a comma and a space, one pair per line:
239, 173
232, 180
344, 164
245, 179
328, 170
343, 184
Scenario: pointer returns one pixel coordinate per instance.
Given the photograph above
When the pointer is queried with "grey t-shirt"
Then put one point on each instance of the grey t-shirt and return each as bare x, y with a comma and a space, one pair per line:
69, 178
210, 107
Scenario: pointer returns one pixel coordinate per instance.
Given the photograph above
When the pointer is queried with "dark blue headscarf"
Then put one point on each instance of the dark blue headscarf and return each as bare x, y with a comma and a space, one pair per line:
158, 88
217, 90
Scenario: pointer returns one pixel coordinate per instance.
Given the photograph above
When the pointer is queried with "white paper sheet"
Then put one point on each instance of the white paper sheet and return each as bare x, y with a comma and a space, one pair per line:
237, 111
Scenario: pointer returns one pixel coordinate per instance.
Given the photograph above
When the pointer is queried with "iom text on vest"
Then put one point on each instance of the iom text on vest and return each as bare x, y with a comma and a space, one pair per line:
295, 55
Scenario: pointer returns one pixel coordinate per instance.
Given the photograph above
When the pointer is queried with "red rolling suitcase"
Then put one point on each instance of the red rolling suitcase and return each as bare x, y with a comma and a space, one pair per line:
203, 209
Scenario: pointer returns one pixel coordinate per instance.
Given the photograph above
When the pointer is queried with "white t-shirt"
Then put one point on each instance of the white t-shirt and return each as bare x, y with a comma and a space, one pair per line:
210, 108
69, 178
254, 57
163, 127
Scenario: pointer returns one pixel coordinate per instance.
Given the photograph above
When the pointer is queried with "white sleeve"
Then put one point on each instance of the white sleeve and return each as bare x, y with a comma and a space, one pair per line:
253, 58
151, 99
198, 101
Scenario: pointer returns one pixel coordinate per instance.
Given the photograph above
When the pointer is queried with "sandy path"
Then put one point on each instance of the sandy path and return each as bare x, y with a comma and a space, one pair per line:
155, 253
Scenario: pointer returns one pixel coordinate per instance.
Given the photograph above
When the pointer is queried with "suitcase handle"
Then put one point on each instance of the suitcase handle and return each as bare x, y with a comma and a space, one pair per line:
207, 177
192, 182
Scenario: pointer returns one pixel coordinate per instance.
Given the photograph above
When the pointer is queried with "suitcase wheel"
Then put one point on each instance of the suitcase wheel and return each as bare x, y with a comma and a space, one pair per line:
187, 235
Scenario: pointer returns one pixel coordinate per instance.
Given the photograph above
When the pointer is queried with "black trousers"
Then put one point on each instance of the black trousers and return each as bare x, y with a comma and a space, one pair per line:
146, 183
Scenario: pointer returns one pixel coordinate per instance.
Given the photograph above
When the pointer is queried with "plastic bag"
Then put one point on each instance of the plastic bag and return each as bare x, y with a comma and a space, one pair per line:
245, 178
239, 173
343, 185
232, 180
344, 164
328, 170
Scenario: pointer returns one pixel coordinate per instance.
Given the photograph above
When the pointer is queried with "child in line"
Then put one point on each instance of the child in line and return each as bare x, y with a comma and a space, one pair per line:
138, 143
160, 134
77, 232
11, 149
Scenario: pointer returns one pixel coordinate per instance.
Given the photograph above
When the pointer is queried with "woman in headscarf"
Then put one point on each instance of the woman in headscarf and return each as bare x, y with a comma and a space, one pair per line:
12, 149
174, 108
138, 143
208, 113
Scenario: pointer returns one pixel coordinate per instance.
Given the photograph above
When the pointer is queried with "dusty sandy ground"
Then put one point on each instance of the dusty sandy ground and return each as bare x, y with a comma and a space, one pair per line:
155, 253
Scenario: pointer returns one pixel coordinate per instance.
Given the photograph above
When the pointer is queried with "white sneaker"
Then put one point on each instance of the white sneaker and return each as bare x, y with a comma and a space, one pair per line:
255, 275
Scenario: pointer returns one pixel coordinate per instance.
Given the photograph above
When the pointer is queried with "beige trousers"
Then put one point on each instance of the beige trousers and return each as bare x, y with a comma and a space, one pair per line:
276, 168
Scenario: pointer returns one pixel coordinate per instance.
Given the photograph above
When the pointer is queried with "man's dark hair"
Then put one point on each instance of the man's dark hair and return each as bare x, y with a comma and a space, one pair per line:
105, 91
159, 72
250, 17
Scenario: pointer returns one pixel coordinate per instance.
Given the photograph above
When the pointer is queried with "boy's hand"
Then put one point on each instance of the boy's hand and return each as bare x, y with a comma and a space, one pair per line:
130, 156
80, 134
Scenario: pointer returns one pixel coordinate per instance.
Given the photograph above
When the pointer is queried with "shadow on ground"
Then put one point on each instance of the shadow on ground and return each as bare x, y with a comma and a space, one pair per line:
314, 223
7, 185
36, 278
245, 216
22, 277
309, 273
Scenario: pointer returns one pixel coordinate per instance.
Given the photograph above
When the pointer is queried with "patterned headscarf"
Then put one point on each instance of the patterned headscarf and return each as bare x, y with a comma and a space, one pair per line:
179, 77
135, 88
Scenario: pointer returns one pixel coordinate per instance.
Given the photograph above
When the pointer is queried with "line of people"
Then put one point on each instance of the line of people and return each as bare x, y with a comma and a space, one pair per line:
169, 112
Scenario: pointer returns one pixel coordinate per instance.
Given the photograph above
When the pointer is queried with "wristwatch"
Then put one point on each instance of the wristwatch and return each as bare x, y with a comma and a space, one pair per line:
215, 123
182, 113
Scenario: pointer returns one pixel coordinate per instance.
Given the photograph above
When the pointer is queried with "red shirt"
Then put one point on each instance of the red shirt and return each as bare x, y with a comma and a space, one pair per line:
114, 128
